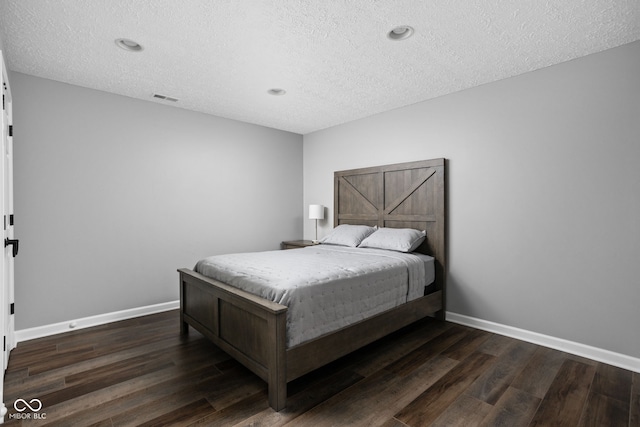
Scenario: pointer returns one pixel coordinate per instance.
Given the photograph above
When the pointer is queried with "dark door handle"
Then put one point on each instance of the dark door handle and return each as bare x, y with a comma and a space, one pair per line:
14, 243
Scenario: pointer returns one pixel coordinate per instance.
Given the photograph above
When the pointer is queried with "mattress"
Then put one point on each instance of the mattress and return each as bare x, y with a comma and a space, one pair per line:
325, 287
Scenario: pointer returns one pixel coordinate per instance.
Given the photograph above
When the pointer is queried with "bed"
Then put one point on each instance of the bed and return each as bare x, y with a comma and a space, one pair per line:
255, 331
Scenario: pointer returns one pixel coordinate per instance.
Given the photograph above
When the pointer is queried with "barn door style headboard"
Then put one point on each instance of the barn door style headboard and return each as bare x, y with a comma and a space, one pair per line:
404, 195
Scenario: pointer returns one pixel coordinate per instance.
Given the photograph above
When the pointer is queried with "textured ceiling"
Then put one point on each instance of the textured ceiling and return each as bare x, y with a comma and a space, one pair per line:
332, 57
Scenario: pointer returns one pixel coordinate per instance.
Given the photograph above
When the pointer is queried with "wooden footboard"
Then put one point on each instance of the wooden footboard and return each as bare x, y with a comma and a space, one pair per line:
253, 330
250, 329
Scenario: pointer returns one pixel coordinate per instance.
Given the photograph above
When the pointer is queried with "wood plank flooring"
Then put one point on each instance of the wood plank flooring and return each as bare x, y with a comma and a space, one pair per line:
141, 372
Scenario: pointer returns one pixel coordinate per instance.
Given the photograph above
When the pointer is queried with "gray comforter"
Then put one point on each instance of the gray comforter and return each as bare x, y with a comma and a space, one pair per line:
325, 287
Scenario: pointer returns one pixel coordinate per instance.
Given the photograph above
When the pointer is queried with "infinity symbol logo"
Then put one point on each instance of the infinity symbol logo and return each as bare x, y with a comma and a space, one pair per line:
37, 405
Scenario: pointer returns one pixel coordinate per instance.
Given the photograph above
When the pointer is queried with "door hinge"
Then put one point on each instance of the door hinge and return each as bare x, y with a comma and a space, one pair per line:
4, 345
10, 130
12, 308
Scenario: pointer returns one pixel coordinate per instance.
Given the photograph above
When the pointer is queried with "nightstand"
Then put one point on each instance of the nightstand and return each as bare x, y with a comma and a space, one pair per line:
296, 244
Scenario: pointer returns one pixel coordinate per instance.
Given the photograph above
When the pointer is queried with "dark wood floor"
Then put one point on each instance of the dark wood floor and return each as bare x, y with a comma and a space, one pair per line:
141, 372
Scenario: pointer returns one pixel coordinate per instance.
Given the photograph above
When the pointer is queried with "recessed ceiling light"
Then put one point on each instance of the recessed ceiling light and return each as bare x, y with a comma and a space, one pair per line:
276, 92
400, 33
129, 45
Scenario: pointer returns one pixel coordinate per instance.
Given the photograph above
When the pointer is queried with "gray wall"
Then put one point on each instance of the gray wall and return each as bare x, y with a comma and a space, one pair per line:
544, 193
113, 194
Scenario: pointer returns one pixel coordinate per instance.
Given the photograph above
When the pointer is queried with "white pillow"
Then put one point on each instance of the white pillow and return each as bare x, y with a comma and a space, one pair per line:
395, 239
348, 235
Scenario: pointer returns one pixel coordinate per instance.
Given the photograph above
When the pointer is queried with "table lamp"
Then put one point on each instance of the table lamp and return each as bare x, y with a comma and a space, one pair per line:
316, 212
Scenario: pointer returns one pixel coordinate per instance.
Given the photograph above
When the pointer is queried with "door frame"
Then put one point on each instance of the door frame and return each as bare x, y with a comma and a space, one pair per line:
7, 322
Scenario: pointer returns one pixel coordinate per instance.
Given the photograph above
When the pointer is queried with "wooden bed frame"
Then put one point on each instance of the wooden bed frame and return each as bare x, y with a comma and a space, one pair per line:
253, 330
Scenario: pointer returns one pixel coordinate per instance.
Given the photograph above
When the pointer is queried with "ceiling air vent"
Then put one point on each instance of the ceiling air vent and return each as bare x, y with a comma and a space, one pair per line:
164, 97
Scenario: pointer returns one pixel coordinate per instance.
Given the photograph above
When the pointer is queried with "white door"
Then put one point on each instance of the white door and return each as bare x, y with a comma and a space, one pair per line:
8, 243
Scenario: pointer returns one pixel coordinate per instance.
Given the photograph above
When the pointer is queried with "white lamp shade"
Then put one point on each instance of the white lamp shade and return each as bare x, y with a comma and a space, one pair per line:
316, 212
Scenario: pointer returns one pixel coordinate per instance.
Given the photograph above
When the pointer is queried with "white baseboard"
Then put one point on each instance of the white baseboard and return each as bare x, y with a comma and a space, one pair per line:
86, 322
594, 353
